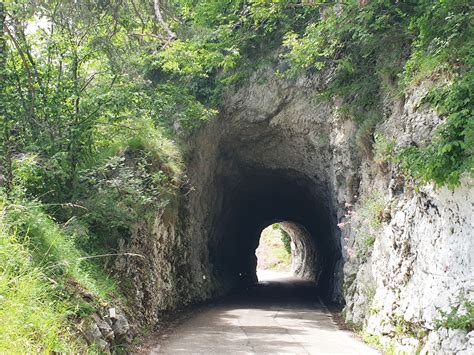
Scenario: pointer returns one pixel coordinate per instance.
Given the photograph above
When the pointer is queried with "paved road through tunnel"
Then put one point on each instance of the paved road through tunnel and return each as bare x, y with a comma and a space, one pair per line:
277, 316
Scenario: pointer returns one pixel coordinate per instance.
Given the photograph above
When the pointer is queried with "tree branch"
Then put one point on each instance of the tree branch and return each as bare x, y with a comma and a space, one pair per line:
159, 17
27, 68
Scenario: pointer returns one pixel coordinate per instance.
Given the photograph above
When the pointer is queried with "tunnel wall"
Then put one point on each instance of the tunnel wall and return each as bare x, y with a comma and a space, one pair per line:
306, 258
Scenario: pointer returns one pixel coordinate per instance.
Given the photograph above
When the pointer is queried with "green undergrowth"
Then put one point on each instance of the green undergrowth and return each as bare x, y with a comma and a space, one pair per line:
133, 174
54, 254
375, 341
459, 317
368, 220
383, 149
379, 50
50, 265
286, 239
450, 154
43, 280
444, 51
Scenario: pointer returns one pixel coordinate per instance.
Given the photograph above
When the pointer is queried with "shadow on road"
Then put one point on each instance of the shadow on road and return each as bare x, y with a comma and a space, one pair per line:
275, 316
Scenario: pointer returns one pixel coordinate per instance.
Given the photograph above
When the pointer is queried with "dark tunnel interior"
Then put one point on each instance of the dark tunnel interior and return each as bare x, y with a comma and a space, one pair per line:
258, 198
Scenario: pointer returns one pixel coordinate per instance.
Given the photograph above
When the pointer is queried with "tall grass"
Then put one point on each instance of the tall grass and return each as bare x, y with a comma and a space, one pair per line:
42, 275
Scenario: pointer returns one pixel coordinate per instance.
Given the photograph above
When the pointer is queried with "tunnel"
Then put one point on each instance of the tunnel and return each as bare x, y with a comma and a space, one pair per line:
267, 158
259, 199
249, 186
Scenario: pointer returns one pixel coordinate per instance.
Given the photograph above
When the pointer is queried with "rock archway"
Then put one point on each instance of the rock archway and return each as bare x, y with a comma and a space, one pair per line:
267, 158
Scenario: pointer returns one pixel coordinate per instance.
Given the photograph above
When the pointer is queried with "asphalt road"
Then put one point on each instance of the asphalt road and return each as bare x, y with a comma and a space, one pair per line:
278, 316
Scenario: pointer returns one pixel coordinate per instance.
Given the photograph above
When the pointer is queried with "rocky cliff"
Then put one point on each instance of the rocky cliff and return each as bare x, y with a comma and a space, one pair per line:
408, 247
396, 253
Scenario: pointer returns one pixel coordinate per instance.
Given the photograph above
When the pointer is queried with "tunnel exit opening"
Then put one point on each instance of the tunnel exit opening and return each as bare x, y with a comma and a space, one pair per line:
274, 253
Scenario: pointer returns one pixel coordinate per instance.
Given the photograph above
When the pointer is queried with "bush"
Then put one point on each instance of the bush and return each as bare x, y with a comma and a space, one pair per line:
367, 220
383, 149
450, 153
286, 239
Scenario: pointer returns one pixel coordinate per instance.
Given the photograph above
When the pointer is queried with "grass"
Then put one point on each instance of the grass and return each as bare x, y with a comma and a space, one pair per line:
32, 318
375, 341
42, 278
383, 149
371, 209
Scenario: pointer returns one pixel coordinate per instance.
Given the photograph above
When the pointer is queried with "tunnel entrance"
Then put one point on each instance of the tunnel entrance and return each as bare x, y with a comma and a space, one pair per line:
286, 249
267, 159
259, 198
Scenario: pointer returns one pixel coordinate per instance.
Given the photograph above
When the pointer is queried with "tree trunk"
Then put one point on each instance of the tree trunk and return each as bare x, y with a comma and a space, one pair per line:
6, 161
159, 17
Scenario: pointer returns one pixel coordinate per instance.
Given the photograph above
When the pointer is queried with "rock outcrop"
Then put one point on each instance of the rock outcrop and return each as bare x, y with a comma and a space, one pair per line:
420, 266
398, 254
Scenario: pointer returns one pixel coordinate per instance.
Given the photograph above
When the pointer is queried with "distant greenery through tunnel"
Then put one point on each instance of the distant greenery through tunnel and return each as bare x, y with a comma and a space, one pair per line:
274, 249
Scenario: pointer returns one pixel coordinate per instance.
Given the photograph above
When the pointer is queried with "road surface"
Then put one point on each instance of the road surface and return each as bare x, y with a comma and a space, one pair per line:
278, 316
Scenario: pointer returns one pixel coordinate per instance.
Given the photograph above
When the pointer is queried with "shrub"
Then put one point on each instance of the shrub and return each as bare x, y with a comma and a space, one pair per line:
450, 153
459, 317
383, 149
286, 239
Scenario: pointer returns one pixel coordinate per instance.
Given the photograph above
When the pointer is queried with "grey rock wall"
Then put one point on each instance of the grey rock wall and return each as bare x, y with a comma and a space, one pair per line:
394, 252
421, 262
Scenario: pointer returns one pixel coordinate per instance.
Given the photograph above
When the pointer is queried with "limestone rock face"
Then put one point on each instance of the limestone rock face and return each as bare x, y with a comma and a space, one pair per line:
421, 263
153, 270
396, 253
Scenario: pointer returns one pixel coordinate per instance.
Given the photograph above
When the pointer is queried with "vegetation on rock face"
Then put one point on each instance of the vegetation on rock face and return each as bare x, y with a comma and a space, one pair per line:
286, 239
86, 132
366, 219
451, 152
459, 317
384, 47
97, 98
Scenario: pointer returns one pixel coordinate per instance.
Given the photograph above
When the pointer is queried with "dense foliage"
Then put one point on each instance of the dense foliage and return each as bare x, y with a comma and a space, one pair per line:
97, 97
385, 47
81, 80
375, 48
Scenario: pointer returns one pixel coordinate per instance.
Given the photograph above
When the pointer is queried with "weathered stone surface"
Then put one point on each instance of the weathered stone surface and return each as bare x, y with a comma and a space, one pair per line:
92, 333
94, 336
449, 341
103, 346
304, 254
276, 141
421, 260
152, 279
104, 327
120, 325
